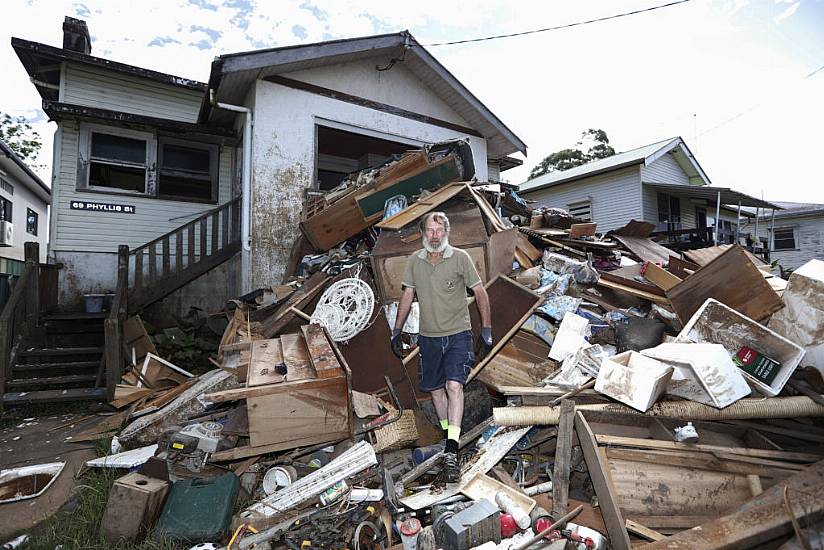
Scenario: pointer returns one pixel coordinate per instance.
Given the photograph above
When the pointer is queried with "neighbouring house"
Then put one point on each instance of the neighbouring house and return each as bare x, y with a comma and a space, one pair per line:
661, 183
24, 212
797, 234
171, 167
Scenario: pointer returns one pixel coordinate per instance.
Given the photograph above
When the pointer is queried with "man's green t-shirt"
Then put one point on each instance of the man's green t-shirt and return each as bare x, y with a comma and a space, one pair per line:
441, 290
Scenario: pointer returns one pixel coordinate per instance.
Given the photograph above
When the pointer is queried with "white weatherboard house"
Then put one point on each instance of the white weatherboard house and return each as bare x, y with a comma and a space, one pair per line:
797, 235
24, 211
206, 180
661, 183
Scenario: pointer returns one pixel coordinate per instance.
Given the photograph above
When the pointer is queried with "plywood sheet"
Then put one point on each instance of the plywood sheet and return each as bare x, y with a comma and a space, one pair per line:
660, 277
501, 249
645, 249
731, 279
421, 207
296, 357
266, 361
629, 276
578, 230
320, 351
703, 256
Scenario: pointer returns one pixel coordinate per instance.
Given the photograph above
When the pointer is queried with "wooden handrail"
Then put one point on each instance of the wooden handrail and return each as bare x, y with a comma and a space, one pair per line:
186, 225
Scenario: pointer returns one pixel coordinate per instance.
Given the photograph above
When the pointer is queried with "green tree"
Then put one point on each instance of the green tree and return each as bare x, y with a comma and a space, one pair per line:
597, 147
20, 136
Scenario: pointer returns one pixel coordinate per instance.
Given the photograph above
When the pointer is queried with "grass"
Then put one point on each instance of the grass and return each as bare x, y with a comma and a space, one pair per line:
77, 524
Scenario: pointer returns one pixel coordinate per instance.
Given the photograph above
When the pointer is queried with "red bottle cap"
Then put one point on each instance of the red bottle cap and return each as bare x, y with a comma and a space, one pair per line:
410, 527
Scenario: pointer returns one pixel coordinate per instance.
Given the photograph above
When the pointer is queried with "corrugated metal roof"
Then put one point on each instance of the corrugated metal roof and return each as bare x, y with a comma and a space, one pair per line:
232, 75
793, 210
619, 160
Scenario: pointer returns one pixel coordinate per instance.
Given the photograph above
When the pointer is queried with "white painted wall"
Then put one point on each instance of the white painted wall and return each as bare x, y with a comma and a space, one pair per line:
397, 86
809, 235
284, 155
23, 198
650, 197
664, 170
84, 231
94, 87
616, 197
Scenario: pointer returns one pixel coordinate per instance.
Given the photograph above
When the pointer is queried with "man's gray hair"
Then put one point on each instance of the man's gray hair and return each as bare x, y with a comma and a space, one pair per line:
439, 217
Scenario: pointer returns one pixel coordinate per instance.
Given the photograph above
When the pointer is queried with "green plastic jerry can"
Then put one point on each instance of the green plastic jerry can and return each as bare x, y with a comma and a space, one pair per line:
198, 510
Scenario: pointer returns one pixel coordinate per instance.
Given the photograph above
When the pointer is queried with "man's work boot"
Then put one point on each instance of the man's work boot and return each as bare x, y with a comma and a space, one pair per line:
451, 468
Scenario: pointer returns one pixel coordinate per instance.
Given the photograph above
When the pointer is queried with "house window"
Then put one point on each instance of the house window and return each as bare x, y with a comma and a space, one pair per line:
117, 162
6, 186
784, 238
187, 170
31, 221
669, 212
5, 210
581, 210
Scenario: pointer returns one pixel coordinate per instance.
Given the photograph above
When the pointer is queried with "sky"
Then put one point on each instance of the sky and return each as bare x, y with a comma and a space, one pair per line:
735, 78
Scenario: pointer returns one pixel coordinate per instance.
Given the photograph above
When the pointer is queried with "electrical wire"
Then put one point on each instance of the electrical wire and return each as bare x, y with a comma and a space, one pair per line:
558, 27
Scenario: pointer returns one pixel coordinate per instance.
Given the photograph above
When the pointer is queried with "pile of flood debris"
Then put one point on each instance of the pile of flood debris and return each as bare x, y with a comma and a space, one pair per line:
633, 397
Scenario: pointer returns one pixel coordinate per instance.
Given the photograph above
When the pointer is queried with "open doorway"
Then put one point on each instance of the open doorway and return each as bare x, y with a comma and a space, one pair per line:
339, 153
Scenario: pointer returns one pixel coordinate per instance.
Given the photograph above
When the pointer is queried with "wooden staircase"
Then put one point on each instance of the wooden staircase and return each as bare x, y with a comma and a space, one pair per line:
51, 357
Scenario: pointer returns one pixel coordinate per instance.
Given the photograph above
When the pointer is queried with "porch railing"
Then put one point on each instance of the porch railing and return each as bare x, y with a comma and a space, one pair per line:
21, 315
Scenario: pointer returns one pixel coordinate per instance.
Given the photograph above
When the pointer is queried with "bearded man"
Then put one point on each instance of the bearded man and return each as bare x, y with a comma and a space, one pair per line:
439, 275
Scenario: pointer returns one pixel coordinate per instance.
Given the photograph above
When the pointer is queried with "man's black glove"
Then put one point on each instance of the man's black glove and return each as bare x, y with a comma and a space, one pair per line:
397, 343
484, 343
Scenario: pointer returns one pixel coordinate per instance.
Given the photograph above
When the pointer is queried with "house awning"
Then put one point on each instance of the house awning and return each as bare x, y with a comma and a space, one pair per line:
710, 193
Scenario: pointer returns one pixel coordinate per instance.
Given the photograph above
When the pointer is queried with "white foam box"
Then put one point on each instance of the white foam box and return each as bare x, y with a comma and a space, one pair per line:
704, 372
717, 323
633, 379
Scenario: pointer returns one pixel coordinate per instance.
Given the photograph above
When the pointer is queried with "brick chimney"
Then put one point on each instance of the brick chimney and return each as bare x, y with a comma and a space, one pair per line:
76, 36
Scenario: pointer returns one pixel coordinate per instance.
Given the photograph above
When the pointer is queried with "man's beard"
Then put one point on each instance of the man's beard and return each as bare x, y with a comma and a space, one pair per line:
435, 249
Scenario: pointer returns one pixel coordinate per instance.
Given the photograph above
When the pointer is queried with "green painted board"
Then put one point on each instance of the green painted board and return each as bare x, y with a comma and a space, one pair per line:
429, 179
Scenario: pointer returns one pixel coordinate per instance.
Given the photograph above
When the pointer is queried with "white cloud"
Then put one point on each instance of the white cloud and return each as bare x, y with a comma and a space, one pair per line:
787, 12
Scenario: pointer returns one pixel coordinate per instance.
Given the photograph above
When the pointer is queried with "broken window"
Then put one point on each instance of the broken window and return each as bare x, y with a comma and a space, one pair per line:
117, 162
581, 210
784, 238
187, 170
339, 153
31, 221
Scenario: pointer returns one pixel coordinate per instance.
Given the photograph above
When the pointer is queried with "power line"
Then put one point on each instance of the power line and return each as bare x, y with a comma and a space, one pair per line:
753, 107
568, 25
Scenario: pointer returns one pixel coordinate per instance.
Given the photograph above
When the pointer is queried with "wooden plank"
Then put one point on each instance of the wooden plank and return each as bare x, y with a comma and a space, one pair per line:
203, 242
563, 458
296, 357
138, 270
152, 263
731, 279
628, 276
618, 537
677, 522
190, 243
703, 256
795, 433
788, 456
578, 230
165, 258
413, 212
501, 252
266, 357
272, 325
681, 268
698, 461
660, 277
310, 410
320, 351
224, 215
765, 518
179, 251
645, 249
244, 452
633, 291
636, 229
512, 304
645, 532
268, 389
215, 231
